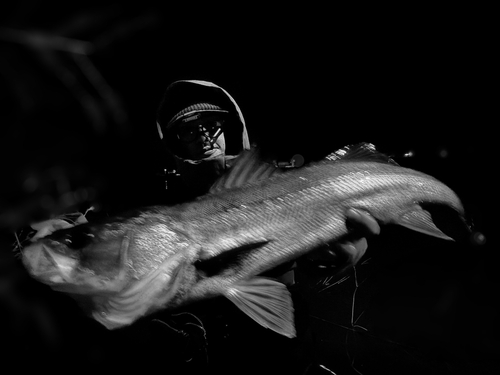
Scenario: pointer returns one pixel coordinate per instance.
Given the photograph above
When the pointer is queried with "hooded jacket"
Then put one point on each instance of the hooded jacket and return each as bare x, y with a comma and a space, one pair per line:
198, 176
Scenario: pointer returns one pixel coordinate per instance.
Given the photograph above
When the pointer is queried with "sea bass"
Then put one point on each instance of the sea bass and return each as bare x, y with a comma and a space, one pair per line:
254, 219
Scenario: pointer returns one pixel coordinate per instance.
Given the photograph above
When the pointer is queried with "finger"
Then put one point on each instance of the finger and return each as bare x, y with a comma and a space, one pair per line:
353, 251
363, 221
324, 254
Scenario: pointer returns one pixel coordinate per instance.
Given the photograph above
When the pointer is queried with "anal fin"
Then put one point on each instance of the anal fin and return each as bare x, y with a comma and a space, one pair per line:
266, 301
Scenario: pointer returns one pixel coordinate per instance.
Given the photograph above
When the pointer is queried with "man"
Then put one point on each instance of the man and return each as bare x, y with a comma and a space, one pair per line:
203, 129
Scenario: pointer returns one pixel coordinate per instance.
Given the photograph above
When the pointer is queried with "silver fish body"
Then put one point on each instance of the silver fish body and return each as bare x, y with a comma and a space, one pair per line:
257, 218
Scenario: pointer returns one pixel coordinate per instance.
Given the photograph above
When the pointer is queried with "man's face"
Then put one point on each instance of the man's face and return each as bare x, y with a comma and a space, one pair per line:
201, 139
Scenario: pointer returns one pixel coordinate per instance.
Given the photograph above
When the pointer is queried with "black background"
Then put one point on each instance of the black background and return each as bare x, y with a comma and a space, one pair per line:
308, 81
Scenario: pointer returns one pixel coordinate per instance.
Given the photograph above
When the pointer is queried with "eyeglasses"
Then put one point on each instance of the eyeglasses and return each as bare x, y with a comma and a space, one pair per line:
189, 133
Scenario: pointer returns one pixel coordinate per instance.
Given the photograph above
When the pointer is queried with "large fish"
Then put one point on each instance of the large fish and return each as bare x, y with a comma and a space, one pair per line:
254, 219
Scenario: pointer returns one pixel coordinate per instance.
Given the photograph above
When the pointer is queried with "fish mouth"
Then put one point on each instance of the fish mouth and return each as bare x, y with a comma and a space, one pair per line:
64, 273
48, 265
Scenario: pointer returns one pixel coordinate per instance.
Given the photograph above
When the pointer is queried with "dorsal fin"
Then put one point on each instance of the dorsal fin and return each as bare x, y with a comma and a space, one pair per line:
360, 151
248, 168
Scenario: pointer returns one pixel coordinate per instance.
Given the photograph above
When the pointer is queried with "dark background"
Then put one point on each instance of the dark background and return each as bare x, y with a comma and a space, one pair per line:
80, 85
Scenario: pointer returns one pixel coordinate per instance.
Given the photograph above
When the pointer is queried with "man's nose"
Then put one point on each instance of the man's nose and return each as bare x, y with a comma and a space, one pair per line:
204, 133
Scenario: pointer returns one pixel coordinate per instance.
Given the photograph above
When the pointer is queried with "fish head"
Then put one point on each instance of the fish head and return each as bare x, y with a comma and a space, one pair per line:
117, 272
77, 261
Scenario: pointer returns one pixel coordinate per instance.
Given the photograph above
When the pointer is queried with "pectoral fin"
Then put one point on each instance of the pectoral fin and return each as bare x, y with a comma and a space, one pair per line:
420, 220
266, 301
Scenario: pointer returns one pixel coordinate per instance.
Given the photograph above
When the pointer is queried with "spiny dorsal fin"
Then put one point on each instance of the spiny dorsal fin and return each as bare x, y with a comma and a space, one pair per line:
248, 168
360, 151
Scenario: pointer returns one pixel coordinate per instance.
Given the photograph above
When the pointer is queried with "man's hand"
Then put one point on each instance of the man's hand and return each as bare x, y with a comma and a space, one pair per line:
350, 249
362, 225
363, 222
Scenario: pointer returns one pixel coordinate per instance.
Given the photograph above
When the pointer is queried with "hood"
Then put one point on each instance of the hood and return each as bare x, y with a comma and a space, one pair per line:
183, 93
